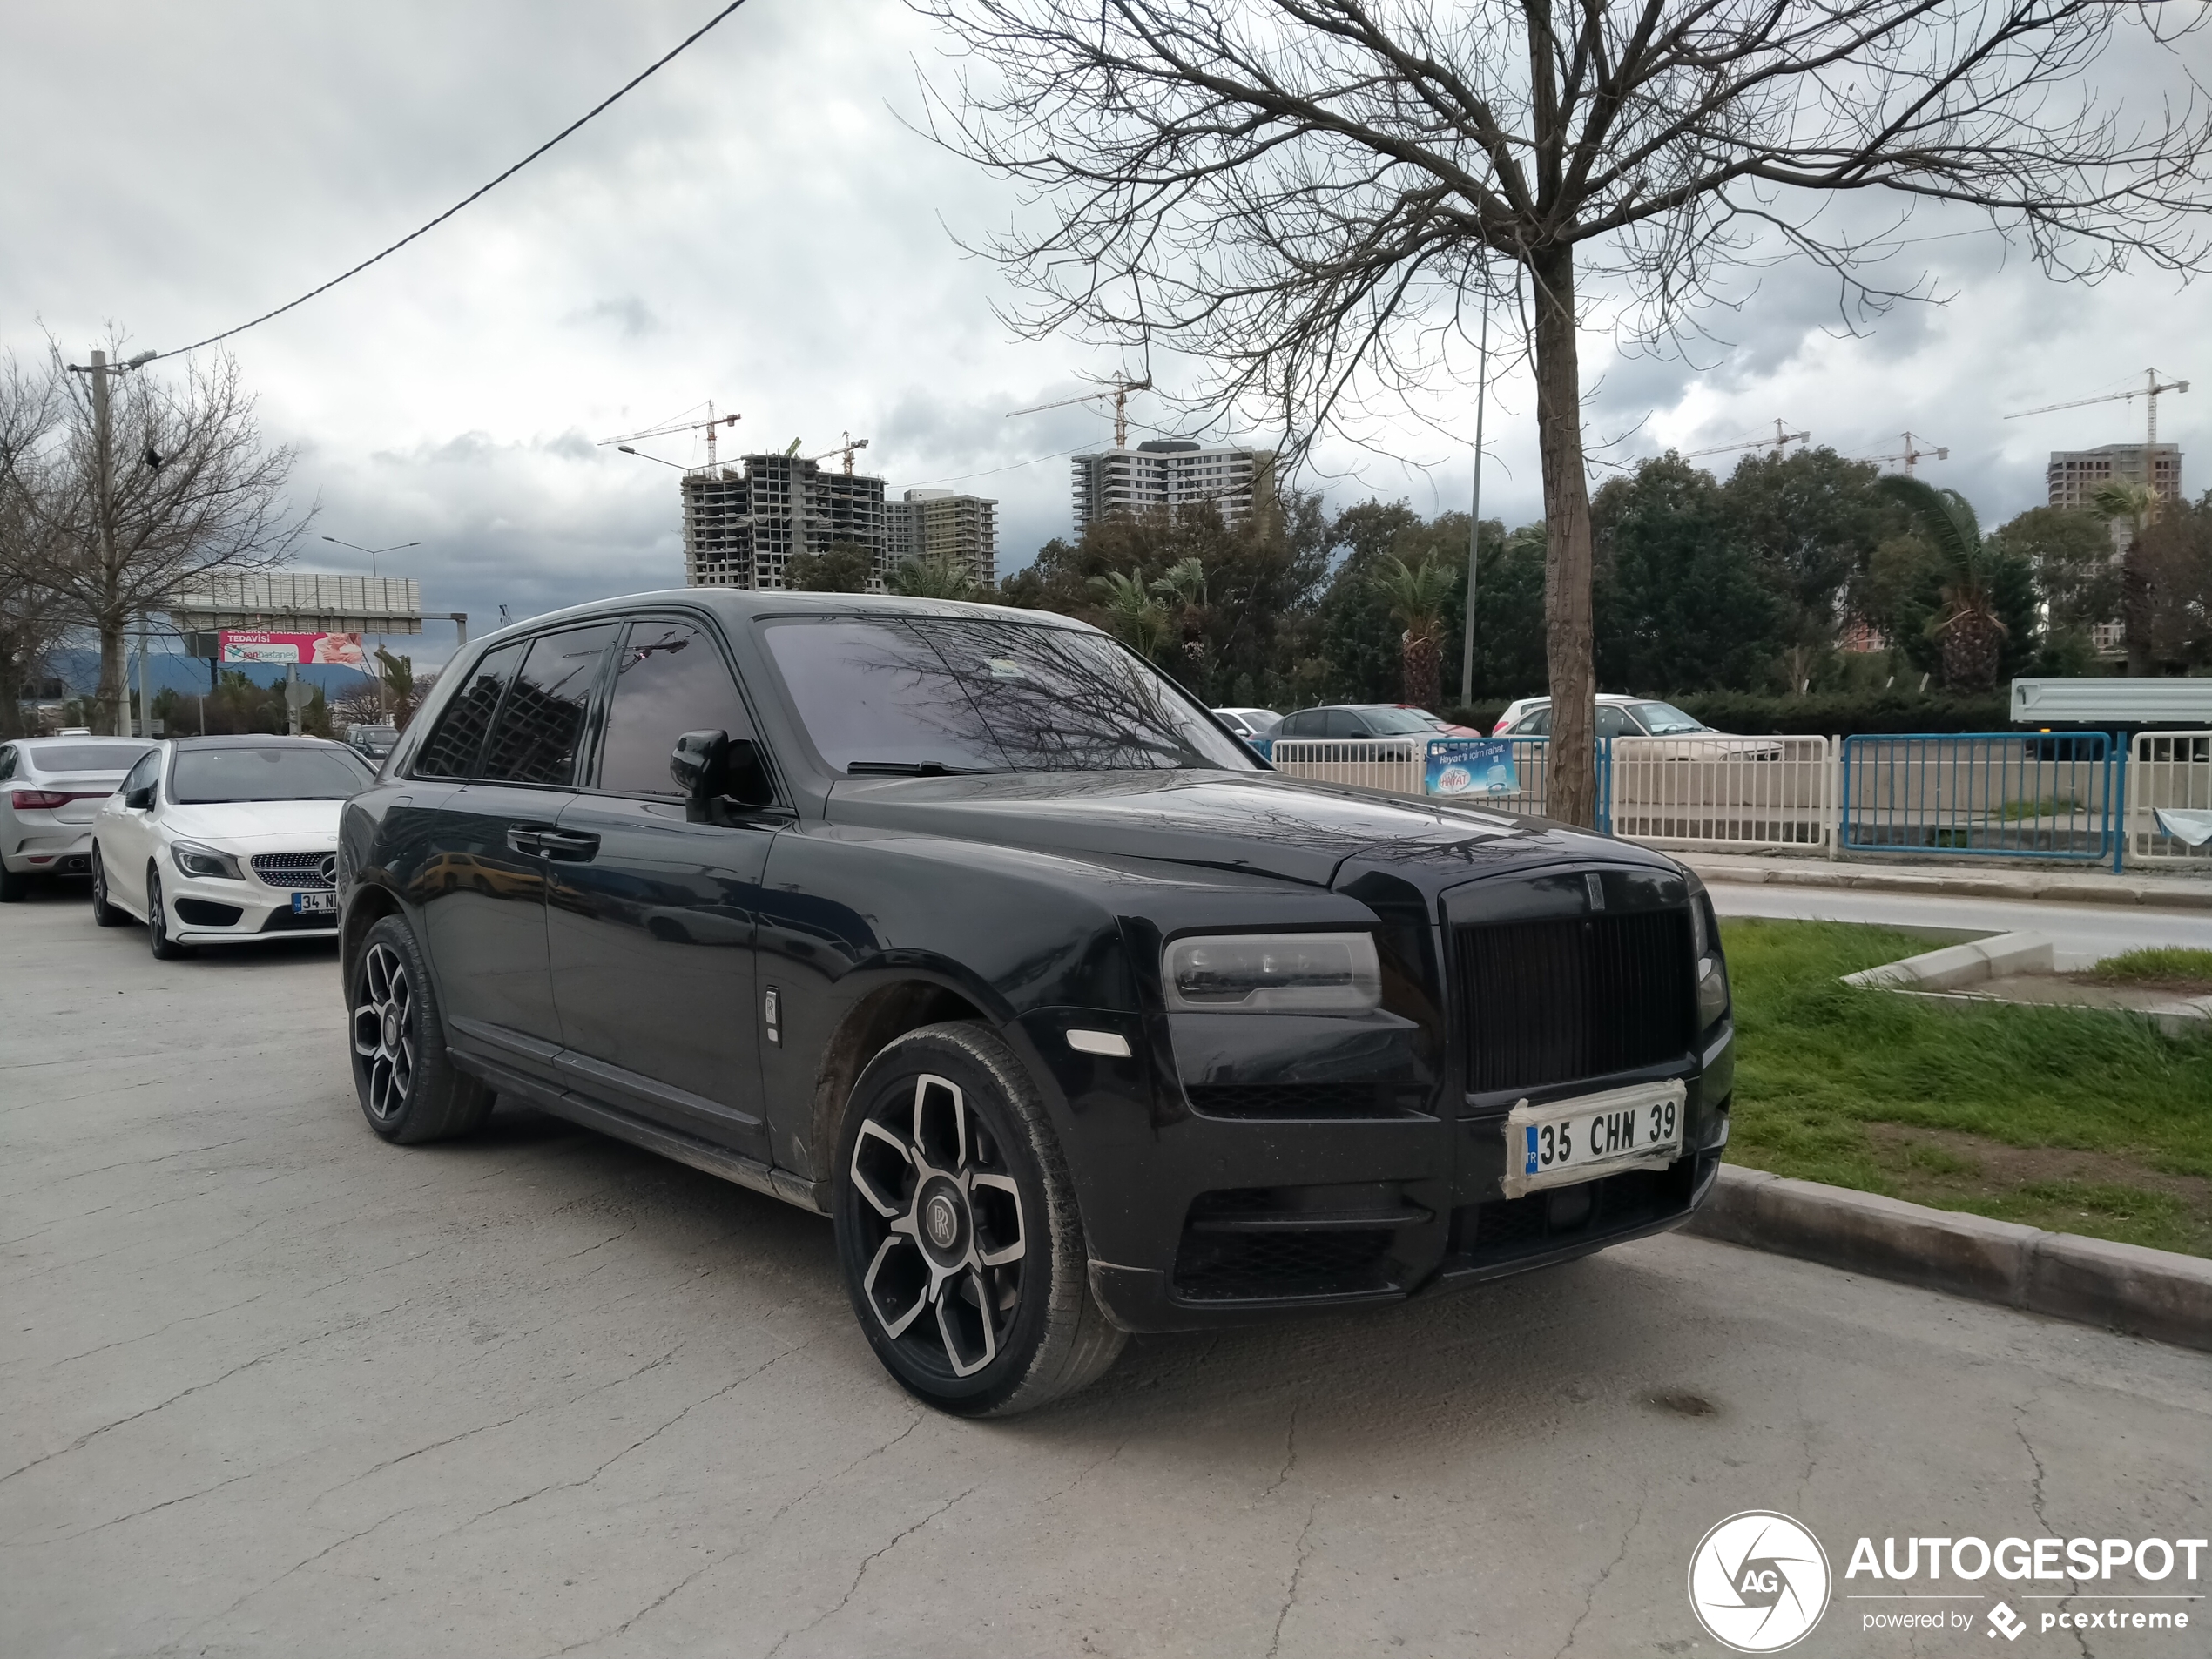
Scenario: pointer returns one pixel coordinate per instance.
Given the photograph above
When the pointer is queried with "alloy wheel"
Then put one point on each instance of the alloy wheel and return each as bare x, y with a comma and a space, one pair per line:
944, 1280
384, 1031
157, 917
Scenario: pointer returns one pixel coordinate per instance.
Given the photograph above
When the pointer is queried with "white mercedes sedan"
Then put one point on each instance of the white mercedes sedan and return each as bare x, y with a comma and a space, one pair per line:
225, 840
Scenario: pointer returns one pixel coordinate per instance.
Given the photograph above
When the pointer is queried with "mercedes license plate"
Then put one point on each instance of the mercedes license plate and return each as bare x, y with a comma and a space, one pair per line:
1566, 1141
314, 904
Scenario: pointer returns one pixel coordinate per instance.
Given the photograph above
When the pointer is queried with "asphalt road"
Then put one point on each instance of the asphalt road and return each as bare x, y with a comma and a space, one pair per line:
269, 1387
2107, 929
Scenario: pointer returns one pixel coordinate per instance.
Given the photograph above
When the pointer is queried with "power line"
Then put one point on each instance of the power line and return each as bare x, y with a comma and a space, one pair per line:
595, 109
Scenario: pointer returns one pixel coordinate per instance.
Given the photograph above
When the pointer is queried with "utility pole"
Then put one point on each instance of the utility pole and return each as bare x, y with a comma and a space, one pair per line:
145, 684
103, 505
1475, 512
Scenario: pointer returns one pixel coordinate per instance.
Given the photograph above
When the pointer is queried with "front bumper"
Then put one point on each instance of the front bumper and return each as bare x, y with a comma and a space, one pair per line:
205, 912
1195, 1221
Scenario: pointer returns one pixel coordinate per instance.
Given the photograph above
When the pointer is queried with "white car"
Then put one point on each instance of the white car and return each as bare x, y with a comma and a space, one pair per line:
1250, 723
225, 840
50, 788
1647, 717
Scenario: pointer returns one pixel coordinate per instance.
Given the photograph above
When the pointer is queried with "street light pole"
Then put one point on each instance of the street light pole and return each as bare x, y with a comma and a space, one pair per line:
383, 691
1474, 529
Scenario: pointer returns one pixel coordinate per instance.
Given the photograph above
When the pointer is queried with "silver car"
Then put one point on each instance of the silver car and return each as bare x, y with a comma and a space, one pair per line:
50, 788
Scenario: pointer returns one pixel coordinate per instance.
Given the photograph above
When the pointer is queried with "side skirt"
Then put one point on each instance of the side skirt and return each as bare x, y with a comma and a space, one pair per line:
705, 1156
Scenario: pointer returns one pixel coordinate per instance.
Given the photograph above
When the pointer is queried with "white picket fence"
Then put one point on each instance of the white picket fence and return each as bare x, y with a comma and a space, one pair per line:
2171, 769
1740, 794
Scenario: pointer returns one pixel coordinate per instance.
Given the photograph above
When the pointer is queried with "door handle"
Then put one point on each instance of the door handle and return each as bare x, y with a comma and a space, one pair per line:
570, 847
527, 842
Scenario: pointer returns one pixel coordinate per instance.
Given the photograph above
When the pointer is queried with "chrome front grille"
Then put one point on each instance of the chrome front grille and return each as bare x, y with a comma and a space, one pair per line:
299, 872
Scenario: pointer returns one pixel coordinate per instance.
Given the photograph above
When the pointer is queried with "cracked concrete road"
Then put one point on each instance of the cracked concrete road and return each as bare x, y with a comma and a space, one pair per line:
269, 1387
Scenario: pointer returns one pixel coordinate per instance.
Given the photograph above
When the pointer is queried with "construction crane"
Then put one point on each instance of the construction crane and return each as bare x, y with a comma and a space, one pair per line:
708, 426
2151, 387
1120, 390
847, 449
1913, 452
1783, 439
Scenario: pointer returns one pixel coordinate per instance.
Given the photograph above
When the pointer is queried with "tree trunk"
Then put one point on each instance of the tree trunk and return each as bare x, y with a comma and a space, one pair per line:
112, 702
1571, 769
1420, 671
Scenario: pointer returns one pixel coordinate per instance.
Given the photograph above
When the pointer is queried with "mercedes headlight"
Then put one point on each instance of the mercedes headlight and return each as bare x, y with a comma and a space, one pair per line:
1273, 974
194, 859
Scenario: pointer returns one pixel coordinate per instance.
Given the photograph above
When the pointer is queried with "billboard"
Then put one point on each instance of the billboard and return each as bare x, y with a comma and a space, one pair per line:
1470, 767
260, 646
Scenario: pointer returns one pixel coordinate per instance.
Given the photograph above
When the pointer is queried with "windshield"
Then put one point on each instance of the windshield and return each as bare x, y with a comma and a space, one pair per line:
84, 757
1665, 720
931, 694
202, 777
1396, 722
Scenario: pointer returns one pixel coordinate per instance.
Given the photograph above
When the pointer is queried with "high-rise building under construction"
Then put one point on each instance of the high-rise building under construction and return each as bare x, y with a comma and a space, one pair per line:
743, 524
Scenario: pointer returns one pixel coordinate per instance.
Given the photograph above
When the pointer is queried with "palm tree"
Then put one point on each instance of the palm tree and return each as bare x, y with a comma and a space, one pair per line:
1183, 586
1133, 615
2136, 504
1418, 594
1968, 628
933, 575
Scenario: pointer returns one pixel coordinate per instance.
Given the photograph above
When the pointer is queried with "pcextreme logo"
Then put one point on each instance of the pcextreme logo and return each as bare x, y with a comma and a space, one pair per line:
1758, 1583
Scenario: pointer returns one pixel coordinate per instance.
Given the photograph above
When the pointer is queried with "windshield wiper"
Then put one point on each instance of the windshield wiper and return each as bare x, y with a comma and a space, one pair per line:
910, 768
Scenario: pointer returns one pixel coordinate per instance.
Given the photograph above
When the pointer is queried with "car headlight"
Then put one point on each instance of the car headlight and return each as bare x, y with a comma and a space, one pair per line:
194, 859
1712, 969
1273, 974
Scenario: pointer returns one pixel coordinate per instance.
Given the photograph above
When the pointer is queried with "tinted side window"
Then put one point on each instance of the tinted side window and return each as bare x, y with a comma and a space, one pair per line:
452, 749
1538, 724
7, 763
1293, 726
540, 726
1613, 722
142, 774
670, 680
1342, 724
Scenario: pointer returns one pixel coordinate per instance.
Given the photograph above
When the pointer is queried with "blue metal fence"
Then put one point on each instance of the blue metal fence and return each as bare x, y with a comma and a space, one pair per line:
2007, 794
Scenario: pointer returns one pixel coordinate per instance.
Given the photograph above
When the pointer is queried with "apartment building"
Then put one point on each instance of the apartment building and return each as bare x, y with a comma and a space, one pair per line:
932, 524
1165, 472
2075, 475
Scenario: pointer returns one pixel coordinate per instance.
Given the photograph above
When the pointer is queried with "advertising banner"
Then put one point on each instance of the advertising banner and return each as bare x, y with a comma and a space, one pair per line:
258, 645
1470, 767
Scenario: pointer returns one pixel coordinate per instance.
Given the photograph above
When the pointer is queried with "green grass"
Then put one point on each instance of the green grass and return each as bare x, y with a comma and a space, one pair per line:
1818, 1061
2159, 966
2064, 807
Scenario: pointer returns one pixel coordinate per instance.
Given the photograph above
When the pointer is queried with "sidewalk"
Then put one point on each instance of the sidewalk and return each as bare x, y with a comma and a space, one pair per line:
2008, 881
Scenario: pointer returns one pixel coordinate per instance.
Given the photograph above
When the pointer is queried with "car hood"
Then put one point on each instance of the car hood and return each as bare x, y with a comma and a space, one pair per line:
255, 820
1260, 823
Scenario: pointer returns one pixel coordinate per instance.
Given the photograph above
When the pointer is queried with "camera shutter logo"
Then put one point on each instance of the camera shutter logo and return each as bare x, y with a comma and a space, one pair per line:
1758, 1583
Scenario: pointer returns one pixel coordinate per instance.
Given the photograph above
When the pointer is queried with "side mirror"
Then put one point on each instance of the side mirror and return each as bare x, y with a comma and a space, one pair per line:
713, 766
141, 799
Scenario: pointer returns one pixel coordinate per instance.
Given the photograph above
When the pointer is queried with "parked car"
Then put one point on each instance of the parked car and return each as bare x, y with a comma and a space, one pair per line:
223, 840
372, 743
1249, 723
1645, 716
966, 928
1515, 709
49, 788
1358, 720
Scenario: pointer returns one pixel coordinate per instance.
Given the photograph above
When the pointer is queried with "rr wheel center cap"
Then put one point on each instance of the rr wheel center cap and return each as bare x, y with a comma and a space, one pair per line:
943, 1217
391, 1027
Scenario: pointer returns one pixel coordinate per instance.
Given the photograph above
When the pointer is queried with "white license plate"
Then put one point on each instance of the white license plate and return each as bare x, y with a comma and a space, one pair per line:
314, 904
1568, 1141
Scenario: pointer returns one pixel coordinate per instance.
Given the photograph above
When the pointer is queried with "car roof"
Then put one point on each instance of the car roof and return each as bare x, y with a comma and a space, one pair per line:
253, 741
743, 605
1602, 696
78, 742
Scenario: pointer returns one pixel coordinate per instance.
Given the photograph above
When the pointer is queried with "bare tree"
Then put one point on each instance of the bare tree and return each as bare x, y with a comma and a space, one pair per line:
183, 486
1311, 196
30, 618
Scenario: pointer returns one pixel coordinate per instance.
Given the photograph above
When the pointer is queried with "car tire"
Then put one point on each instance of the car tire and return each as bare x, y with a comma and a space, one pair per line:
165, 949
957, 1230
409, 1088
104, 914
14, 885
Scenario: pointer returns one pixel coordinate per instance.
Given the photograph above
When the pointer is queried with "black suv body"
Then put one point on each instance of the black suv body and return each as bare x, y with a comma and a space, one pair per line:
1075, 1017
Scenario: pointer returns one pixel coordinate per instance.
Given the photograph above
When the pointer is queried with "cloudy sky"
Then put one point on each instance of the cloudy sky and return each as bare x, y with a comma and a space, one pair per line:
756, 227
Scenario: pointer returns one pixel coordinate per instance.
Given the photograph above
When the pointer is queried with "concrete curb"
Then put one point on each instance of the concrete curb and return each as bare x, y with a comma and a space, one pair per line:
2170, 894
2123, 1287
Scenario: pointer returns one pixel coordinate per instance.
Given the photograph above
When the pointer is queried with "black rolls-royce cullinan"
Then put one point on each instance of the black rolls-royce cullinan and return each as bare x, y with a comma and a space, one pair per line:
964, 928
